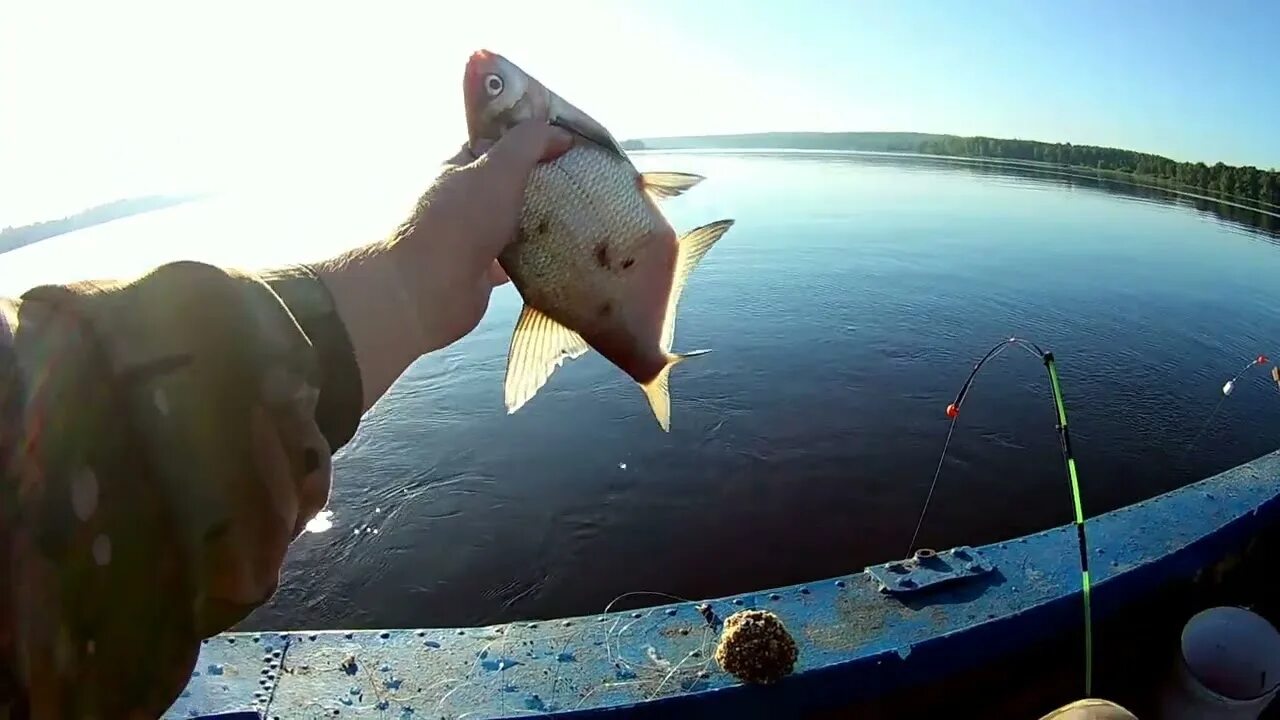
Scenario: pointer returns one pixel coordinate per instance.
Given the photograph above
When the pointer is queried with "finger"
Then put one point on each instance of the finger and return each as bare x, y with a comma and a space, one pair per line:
469, 153
526, 144
497, 276
464, 157
503, 173
558, 144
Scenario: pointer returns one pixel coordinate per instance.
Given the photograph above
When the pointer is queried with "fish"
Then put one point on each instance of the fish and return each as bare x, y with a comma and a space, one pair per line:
595, 261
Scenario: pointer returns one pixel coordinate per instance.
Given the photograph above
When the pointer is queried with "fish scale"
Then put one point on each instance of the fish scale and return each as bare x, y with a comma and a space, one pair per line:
583, 201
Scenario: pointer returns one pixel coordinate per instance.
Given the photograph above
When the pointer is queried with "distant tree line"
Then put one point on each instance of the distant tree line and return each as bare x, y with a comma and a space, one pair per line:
12, 238
866, 141
1247, 182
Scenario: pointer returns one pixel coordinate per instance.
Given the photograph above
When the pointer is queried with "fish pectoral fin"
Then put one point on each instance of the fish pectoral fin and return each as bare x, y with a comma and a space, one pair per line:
658, 389
662, 185
692, 246
538, 346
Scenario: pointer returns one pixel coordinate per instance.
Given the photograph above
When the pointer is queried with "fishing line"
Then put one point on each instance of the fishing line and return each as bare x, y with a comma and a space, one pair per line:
1227, 389
1064, 439
953, 412
648, 593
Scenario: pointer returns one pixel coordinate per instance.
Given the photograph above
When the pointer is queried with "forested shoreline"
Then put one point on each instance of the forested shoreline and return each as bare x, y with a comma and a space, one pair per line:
12, 238
1248, 183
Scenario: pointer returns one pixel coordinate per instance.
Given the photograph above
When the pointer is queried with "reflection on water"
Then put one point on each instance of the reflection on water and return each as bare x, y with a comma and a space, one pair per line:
845, 308
1261, 223
322, 522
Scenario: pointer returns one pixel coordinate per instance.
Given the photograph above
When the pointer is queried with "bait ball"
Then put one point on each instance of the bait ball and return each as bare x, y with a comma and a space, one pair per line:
756, 648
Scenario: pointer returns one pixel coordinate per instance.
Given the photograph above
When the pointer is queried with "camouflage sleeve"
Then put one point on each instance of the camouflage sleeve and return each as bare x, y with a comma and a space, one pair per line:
161, 443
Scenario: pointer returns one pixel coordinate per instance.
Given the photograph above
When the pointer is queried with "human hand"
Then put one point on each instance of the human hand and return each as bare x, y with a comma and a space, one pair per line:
448, 250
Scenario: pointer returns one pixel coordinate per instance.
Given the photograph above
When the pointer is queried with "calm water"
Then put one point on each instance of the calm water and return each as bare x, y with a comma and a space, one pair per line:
845, 308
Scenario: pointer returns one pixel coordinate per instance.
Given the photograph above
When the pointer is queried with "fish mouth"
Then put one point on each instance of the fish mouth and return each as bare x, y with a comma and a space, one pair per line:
479, 60
481, 63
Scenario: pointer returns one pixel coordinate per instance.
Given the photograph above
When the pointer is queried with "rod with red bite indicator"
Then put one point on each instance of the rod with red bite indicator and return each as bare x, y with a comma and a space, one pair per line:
1064, 438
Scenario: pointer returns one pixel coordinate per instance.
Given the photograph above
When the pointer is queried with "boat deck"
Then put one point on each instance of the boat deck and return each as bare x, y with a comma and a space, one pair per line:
856, 642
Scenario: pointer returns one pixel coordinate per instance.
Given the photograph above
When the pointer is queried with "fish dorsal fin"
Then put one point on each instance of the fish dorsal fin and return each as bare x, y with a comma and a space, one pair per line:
538, 346
692, 246
663, 185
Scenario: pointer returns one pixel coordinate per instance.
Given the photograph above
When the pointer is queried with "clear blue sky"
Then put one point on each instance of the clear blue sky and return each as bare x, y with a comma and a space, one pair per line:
103, 100
1190, 79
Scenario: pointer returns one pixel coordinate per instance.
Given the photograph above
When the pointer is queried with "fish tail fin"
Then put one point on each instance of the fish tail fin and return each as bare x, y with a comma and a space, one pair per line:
658, 389
693, 245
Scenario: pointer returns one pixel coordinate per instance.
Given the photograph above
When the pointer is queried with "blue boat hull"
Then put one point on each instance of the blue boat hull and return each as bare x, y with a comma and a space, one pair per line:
857, 643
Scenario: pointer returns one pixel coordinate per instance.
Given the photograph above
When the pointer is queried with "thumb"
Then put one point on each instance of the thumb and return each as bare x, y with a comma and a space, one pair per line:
525, 145
504, 171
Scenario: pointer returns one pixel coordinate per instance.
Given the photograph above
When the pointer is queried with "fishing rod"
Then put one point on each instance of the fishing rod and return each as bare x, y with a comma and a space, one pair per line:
1227, 389
1064, 439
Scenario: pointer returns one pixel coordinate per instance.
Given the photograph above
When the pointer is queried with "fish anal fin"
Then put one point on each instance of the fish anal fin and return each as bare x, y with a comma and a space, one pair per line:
692, 247
658, 390
538, 346
662, 185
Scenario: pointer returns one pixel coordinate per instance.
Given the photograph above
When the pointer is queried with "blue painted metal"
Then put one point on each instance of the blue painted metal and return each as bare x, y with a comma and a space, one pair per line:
856, 642
927, 569
234, 677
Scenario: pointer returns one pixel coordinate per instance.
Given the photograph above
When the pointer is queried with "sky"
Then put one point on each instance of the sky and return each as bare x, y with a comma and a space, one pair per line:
101, 100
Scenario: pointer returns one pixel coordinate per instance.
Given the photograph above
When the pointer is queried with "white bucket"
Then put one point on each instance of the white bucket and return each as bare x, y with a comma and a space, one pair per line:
1228, 667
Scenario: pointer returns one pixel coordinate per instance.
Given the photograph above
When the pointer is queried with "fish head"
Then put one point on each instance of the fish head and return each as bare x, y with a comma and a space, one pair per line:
498, 95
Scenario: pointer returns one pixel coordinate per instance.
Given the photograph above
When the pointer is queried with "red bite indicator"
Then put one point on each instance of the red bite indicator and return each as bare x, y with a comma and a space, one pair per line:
953, 411
1262, 359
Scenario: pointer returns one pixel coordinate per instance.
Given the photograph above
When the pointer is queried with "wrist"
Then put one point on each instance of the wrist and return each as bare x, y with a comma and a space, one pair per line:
312, 306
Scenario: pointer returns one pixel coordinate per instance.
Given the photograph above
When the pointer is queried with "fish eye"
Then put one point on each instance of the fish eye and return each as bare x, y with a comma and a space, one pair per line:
493, 84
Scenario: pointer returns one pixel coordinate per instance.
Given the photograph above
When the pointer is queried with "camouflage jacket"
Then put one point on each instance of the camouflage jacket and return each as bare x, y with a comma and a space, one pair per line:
147, 430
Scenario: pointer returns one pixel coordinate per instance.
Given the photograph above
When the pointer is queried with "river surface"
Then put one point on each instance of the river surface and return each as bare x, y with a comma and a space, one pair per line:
845, 308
